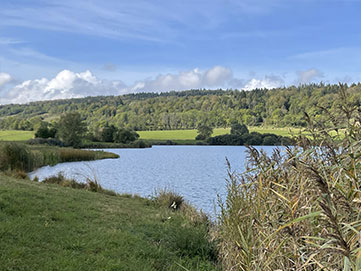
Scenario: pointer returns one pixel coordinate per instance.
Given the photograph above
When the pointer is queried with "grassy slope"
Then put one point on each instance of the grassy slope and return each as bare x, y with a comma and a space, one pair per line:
48, 227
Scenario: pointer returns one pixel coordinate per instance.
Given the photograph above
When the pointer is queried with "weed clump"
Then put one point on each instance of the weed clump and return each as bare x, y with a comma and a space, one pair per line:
169, 199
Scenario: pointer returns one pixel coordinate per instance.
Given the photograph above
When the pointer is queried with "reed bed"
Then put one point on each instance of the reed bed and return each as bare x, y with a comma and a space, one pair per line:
22, 157
298, 210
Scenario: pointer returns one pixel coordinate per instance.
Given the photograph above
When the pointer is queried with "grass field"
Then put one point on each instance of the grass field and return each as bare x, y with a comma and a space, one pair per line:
191, 134
49, 227
13, 135
185, 136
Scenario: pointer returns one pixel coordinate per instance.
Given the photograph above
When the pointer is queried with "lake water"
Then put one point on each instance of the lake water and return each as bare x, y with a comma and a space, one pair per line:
198, 173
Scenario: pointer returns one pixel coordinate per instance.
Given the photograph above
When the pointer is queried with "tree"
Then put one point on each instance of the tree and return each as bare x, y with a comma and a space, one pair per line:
108, 133
239, 129
71, 129
125, 136
45, 132
204, 132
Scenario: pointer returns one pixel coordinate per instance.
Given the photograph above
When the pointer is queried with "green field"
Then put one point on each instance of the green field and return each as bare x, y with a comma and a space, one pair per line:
191, 134
185, 136
14, 135
49, 227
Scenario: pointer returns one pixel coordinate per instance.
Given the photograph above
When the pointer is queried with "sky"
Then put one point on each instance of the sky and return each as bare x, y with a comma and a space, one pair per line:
74, 48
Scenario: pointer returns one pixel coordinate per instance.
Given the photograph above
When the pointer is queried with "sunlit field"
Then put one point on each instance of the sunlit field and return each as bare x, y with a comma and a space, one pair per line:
191, 134
12, 135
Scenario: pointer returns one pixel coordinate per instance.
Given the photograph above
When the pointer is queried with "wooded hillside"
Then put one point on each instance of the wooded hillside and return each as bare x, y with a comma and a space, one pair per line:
282, 107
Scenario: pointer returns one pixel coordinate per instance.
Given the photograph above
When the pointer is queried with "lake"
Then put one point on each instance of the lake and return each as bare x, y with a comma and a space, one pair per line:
198, 173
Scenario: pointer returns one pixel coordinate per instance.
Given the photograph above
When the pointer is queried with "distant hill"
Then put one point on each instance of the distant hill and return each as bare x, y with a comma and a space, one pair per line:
282, 107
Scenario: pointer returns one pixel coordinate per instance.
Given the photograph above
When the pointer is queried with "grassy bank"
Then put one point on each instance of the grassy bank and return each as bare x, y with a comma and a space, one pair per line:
25, 158
49, 227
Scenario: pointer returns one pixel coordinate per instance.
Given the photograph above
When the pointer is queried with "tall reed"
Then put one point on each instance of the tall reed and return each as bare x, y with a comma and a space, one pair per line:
299, 210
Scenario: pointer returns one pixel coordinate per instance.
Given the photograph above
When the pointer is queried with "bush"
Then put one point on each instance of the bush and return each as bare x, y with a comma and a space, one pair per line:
228, 139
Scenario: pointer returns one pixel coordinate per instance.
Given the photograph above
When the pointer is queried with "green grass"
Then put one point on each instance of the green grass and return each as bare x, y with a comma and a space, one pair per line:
49, 227
184, 135
178, 136
14, 135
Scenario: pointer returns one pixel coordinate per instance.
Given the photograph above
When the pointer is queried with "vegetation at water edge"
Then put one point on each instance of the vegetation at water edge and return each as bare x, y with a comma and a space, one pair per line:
299, 210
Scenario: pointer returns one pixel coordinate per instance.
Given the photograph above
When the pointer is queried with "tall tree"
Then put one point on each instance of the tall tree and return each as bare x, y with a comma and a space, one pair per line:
71, 129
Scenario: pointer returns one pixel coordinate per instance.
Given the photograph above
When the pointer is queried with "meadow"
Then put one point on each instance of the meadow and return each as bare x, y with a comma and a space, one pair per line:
16, 135
191, 134
179, 136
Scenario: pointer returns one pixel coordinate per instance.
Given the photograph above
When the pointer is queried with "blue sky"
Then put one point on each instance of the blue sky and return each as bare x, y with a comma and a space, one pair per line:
73, 48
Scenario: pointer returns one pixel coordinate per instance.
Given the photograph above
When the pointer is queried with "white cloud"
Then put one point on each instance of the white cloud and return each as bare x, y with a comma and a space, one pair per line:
267, 82
217, 76
66, 84
4, 78
307, 76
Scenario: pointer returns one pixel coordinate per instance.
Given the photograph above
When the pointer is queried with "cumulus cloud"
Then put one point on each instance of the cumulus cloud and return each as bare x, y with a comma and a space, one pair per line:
4, 78
307, 76
267, 82
217, 76
66, 84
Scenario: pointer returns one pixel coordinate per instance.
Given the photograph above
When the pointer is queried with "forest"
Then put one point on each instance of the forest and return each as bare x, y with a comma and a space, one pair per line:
281, 107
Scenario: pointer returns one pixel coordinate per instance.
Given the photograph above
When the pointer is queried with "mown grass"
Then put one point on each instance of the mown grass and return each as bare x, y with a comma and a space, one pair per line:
189, 135
15, 135
49, 227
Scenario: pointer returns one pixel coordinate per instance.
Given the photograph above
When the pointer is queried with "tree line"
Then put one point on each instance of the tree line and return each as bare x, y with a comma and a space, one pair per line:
71, 130
282, 107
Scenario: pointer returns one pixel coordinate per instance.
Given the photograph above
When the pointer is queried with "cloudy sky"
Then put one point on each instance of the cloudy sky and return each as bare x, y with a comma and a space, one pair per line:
73, 48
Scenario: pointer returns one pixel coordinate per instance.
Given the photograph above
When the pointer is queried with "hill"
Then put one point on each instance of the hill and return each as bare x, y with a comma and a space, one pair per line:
282, 107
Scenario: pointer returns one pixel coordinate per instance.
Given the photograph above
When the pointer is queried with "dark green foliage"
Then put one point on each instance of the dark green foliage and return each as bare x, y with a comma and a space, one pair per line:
125, 136
108, 133
204, 132
271, 140
226, 140
45, 131
239, 129
253, 138
71, 129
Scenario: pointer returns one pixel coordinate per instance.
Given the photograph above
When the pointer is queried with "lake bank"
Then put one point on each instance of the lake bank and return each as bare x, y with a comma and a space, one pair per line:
49, 227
